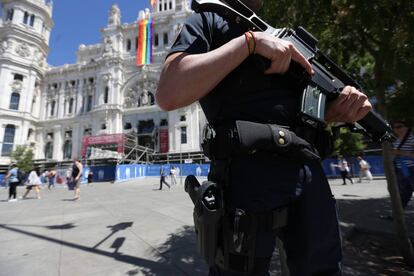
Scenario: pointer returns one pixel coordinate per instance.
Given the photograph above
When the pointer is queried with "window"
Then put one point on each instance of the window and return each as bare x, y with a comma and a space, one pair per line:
18, 77
87, 131
33, 104
160, 7
127, 126
170, 5
106, 95
52, 108
14, 101
183, 118
67, 150
26, 18
9, 16
136, 43
165, 39
89, 103
8, 140
29, 133
183, 135
156, 40
32, 19
70, 105
49, 150
103, 126
165, 6
128, 45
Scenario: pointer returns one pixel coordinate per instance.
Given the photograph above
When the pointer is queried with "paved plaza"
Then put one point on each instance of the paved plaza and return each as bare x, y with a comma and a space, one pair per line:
132, 228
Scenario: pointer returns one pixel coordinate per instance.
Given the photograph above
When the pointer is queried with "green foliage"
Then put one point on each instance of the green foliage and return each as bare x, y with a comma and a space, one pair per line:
23, 157
349, 143
372, 40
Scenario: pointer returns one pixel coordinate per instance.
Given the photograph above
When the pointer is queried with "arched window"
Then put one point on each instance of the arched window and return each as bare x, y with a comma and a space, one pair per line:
14, 101
32, 19
106, 95
8, 140
128, 45
26, 18
49, 150
67, 149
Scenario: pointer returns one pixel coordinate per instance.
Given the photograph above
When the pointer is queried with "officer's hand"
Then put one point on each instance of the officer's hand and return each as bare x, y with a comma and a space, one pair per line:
280, 52
350, 106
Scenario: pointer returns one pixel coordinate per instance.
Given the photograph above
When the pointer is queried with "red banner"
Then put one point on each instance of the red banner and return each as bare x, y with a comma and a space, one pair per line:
163, 140
103, 140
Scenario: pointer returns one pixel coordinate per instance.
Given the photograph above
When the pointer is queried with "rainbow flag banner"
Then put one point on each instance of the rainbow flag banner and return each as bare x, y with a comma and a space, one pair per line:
144, 51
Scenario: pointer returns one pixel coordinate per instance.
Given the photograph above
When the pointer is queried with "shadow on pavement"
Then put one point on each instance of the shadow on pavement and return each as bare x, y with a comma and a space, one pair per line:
372, 248
146, 267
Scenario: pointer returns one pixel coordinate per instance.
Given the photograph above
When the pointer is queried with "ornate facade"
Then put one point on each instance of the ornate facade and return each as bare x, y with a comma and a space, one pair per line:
52, 108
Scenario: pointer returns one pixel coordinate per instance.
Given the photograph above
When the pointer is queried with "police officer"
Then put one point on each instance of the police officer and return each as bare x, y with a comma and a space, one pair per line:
212, 62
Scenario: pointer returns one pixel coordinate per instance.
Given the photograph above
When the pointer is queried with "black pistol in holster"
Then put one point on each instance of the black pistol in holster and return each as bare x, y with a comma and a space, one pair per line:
207, 214
323, 86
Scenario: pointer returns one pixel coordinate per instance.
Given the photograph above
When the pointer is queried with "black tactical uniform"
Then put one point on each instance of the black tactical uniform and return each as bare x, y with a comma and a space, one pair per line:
261, 181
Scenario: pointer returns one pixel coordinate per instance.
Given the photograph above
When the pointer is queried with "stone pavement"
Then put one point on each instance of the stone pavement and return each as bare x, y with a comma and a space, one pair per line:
132, 228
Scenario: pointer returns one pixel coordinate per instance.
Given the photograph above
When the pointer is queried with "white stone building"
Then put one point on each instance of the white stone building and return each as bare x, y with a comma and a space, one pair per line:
52, 108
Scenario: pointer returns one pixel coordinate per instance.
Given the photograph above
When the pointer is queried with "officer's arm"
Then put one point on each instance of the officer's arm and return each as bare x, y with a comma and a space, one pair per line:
186, 78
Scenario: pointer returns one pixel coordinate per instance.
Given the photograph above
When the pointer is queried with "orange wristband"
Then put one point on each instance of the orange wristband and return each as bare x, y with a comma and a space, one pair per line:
250, 42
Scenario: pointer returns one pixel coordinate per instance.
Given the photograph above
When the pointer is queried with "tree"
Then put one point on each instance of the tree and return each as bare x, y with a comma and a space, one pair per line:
23, 156
349, 143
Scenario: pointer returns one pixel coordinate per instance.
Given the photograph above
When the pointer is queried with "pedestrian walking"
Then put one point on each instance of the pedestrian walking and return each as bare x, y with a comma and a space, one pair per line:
404, 160
33, 182
344, 170
13, 179
162, 178
76, 177
51, 175
364, 169
173, 171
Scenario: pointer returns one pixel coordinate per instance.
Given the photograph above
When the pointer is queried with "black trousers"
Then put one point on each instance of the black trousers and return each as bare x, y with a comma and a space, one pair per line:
162, 180
344, 175
12, 189
311, 237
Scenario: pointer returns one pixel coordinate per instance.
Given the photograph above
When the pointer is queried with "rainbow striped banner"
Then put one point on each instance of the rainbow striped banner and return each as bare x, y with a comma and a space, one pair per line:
144, 52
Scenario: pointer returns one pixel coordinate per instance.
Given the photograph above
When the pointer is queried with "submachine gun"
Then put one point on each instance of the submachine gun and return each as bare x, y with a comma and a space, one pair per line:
323, 86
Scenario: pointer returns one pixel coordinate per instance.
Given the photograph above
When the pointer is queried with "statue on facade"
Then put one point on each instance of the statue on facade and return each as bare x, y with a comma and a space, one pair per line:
108, 47
144, 99
114, 18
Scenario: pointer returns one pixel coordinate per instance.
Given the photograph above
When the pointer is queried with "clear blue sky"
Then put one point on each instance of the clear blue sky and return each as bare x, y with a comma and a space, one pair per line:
79, 22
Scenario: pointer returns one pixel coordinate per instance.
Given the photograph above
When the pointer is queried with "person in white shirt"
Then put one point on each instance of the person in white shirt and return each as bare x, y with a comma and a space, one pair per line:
364, 169
33, 182
344, 169
173, 171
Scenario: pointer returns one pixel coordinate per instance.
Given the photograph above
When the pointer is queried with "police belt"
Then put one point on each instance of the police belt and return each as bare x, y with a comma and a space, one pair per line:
264, 221
244, 137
